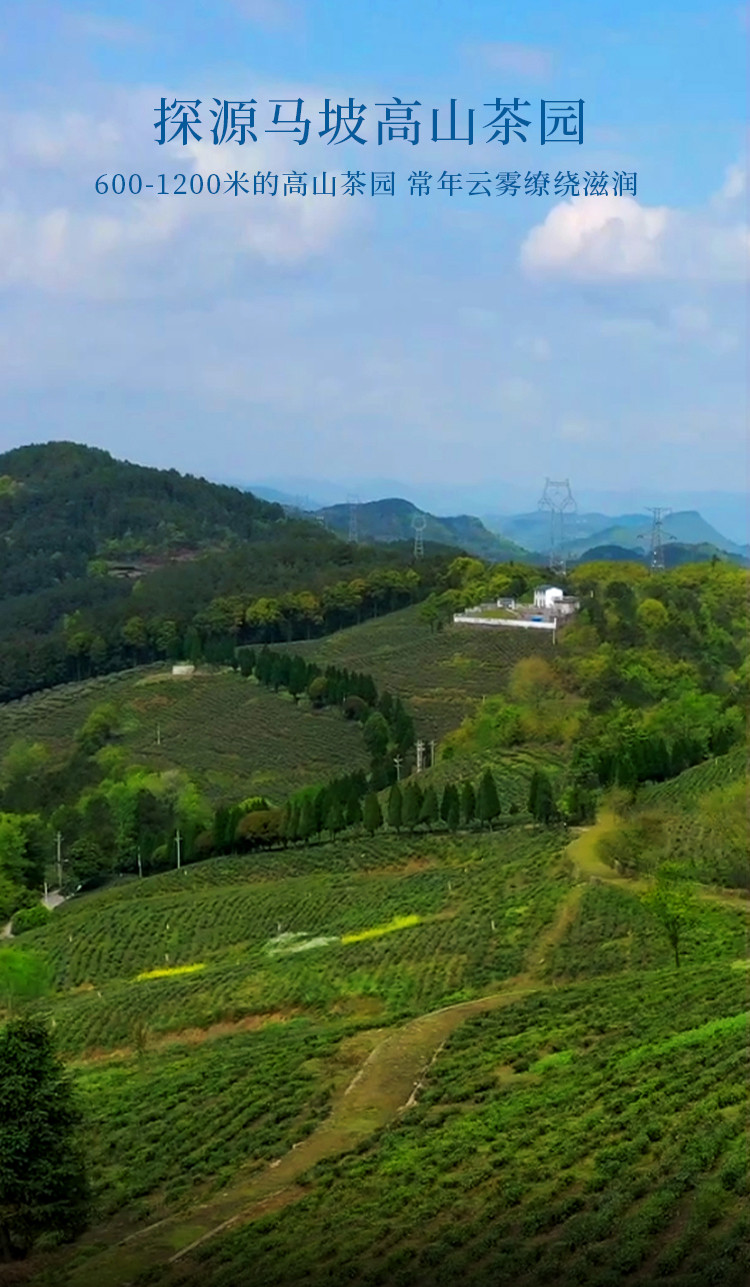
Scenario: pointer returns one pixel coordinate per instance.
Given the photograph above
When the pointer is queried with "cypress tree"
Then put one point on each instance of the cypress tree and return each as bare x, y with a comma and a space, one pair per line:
308, 825
395, 807
544, 810
533, 792
488, 804
429, 810
43, 1184
354, 812
372, 815
468, 803
290, 822
445, 801
335, 817
453, 811
412, 805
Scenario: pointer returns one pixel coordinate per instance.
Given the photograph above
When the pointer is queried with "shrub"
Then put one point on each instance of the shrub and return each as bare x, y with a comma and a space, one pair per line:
30, 918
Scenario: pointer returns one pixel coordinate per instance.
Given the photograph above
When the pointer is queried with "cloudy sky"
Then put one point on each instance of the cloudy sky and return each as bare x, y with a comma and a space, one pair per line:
443, 340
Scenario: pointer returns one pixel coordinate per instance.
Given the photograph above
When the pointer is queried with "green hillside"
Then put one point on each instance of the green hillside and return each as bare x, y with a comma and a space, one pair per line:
393, 520
106, 565
564, 1116
442, 674
585, 530
233, 737
485, 1022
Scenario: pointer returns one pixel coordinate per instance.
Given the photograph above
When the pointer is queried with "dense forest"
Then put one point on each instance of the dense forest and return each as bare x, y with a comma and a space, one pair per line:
107, 565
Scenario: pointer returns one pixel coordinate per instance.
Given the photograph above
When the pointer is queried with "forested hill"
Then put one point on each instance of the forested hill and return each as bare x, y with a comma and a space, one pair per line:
63, 505
393, 520
106, 565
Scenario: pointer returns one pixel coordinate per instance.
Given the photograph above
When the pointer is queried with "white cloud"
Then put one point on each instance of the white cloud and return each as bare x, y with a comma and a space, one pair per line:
112, 246
594, 238
520, 60
734, 185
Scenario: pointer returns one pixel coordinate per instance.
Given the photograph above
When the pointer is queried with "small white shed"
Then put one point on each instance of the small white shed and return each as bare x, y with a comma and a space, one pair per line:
545, 596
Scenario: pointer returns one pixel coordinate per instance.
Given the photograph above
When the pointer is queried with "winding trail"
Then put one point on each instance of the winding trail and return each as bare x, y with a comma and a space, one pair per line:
386, 1084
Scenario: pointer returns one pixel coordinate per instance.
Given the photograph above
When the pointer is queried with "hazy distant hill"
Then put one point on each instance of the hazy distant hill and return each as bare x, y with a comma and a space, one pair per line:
584, 531
675, 554
393, 519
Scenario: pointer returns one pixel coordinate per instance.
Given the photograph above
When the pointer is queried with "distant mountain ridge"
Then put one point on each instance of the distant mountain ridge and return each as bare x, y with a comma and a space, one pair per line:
392, 519
629, 531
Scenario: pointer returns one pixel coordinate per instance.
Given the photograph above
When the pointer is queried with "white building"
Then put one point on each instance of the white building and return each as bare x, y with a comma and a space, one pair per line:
545, 596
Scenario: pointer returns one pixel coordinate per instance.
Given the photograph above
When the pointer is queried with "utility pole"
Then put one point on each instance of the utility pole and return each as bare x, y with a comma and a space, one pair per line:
432, 752
558, 500
58, 843
353, 503
397, 762
656, 553
178, 841
140, 867
420, 755
158, 734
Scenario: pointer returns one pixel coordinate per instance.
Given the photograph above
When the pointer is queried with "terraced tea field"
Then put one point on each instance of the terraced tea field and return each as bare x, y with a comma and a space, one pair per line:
230, 734
441, 674
684, 791
471, 911
594, 1134
215, 1016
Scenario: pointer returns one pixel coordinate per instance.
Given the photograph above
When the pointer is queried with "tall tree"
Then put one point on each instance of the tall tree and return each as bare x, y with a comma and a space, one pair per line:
43, 1185
454, 812
372, 815
354, 812
335, 821
468, 803
375, 735
308, 823
488, 804
429, 812
412, 805
672, 902
395, 807
541, 798
451, 807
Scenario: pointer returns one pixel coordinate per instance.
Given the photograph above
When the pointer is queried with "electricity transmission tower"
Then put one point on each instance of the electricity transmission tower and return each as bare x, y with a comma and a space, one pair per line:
353, 503
419, 523
656, 545
558, 500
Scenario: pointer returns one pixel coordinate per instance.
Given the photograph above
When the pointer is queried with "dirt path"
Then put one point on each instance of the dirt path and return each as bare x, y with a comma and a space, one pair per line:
587, 864
386, 1084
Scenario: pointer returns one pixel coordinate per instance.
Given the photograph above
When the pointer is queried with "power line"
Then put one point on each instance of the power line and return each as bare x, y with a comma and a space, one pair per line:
656, 538
353, 503
558, 500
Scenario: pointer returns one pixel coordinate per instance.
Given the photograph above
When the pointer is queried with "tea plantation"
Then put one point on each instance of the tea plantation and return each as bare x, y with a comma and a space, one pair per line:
442, 673
229, 734
575, 1113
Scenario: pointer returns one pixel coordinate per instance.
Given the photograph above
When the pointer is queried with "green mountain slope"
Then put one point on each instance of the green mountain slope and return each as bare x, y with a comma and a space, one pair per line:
62, 505
583, 531
393, 520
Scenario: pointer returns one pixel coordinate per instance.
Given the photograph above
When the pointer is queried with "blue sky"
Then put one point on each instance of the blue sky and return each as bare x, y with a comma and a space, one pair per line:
439, 341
